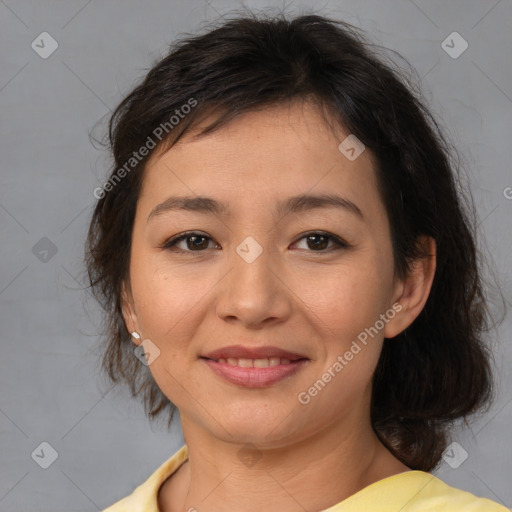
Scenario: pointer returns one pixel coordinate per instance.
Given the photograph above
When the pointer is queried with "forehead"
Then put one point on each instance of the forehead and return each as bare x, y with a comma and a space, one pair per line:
263, 157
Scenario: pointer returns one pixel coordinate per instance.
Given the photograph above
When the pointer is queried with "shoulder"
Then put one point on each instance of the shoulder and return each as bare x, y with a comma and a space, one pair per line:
415, 491
144, 497
437, 495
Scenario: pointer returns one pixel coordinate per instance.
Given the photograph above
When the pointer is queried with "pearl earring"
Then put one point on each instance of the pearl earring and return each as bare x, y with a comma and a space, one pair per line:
136, 335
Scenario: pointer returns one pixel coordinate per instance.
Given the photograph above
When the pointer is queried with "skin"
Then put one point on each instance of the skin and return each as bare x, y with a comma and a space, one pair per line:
311, 301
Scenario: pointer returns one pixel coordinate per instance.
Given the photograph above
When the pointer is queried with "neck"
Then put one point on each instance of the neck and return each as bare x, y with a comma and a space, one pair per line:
279, 476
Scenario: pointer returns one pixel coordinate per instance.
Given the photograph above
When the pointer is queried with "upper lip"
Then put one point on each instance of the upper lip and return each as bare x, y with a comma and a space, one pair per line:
241, 352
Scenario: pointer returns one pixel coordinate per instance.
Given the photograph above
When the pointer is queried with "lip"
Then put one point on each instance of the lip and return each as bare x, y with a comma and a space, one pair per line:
254, 377
241, 352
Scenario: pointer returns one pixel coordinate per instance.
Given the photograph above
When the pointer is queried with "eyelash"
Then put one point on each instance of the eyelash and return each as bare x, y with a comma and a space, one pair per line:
171, 242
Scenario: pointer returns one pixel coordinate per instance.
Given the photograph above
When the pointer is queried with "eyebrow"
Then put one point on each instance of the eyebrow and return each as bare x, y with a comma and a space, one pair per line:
294, 204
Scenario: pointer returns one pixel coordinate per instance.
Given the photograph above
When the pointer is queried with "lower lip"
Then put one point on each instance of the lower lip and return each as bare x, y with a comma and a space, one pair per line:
254, 377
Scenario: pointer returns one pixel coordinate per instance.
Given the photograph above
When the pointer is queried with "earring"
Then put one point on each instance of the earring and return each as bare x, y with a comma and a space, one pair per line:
136, 335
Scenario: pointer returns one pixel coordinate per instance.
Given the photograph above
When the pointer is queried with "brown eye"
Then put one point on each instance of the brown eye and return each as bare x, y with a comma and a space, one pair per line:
319, 242
194, 242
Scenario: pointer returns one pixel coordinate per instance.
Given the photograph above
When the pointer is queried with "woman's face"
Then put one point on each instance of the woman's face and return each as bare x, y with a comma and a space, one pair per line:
253, 278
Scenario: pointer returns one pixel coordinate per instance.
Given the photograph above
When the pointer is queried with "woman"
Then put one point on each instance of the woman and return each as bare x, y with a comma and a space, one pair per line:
283, 256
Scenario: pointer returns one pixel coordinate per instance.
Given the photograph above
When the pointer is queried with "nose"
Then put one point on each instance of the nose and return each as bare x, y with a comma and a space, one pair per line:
253, 292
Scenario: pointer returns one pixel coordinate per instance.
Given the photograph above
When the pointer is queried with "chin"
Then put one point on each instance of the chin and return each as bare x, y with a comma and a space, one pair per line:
262, 430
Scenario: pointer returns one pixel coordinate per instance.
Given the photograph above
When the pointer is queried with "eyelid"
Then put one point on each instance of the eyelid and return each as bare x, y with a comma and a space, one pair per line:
339, 243
169, 243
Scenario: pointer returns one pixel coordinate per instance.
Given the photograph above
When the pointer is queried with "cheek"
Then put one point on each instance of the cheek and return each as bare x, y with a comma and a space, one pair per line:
345, 307
165, 292
168, 303
344, 300
346, 304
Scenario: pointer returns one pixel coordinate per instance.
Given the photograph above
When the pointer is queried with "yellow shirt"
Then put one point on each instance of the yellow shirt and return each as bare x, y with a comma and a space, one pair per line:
412, 491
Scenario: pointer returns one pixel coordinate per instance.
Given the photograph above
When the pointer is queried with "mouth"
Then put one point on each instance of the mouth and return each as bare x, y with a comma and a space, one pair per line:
254, 367
255, 363
258, 354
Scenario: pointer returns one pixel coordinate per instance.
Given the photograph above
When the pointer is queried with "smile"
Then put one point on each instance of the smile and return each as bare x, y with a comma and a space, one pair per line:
254, 373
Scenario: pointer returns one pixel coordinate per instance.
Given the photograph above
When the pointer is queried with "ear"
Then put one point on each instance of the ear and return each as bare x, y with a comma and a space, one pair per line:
128, 308
413, 291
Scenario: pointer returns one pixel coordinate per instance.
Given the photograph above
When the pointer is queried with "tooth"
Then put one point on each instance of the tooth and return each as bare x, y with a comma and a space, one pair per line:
255, 363
261, 363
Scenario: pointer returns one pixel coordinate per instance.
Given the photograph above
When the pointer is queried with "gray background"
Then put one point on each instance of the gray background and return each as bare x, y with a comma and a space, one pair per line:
50, 385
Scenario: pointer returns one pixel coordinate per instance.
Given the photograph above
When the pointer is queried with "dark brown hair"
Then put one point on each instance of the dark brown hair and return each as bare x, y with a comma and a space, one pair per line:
436, 372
